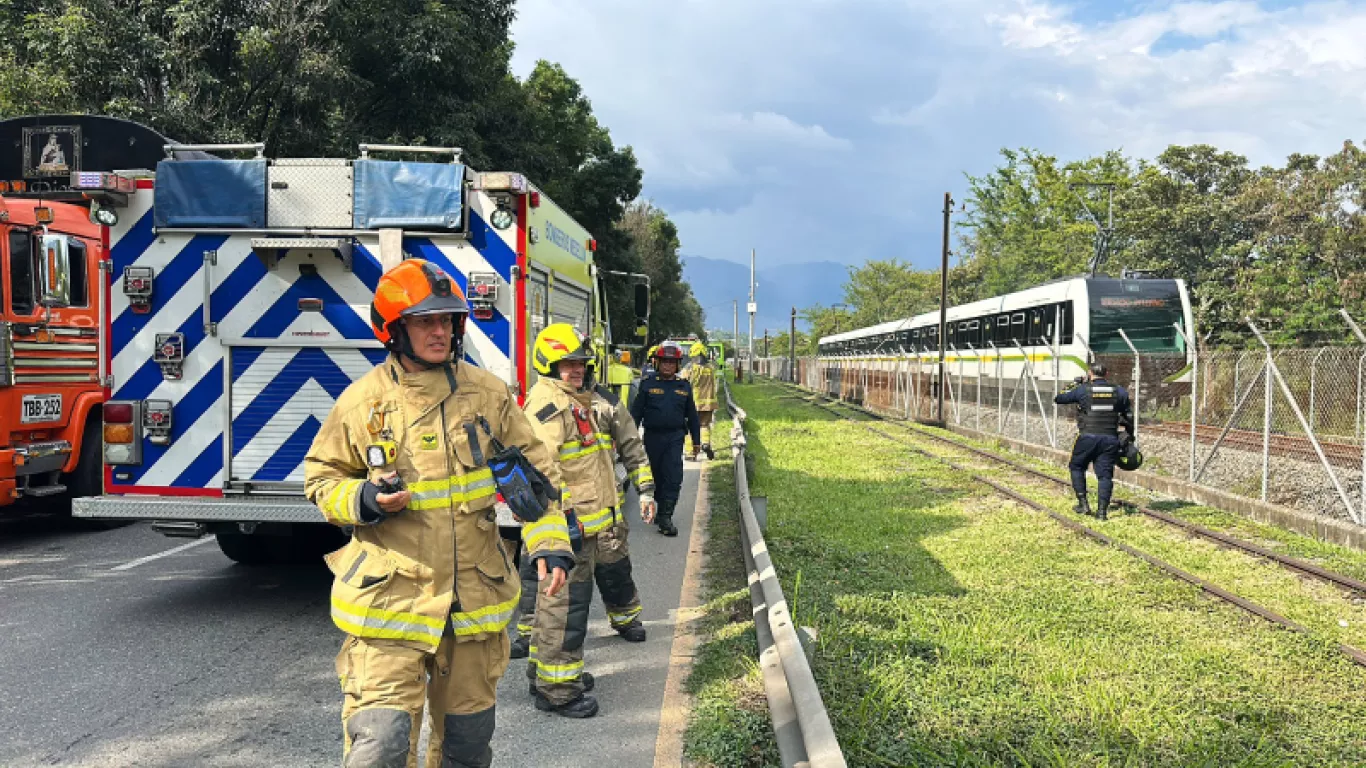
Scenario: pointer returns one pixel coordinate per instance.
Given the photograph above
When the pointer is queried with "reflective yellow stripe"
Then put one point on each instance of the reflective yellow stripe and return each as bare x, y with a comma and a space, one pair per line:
621, 498
490, 618
341, 502
559, 673
619, 619
525, 629
390, 625
596, 522
642, 475
576, 450
456, 489
548, 529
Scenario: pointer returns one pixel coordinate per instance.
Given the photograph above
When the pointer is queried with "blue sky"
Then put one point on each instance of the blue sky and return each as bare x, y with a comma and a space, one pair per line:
830, 129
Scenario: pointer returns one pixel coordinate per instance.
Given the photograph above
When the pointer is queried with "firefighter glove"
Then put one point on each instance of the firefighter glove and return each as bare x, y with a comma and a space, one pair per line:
371, 512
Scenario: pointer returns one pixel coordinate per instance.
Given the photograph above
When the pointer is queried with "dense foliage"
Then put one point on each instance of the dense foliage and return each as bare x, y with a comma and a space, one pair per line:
319, 77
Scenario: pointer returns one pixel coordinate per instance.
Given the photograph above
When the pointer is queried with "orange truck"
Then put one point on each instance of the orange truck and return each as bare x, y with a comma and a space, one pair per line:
58, 197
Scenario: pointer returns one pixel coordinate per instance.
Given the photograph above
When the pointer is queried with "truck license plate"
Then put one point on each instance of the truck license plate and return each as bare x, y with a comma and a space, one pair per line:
41, 408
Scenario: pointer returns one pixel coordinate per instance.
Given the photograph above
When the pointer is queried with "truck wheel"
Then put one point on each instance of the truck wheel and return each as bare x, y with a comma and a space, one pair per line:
246, 548
88, 479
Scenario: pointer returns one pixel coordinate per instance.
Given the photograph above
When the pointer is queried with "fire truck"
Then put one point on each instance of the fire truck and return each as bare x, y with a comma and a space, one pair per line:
239, 310
58, 194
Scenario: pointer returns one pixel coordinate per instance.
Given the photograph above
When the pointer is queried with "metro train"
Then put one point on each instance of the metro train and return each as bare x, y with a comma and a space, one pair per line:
1081, 317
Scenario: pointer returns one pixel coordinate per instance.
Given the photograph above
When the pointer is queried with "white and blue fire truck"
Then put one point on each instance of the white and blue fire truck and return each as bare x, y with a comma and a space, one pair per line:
239, 310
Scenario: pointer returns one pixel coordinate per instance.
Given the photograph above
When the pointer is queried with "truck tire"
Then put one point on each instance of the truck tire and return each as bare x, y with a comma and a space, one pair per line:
246, 548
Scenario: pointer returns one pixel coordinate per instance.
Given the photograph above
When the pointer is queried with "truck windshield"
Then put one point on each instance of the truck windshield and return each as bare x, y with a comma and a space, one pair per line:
1144, 309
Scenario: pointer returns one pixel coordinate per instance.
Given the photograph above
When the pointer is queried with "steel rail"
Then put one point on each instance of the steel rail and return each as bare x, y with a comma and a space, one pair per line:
1355, 654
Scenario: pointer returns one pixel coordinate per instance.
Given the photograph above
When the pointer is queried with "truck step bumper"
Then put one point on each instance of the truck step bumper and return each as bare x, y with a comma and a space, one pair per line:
255, 509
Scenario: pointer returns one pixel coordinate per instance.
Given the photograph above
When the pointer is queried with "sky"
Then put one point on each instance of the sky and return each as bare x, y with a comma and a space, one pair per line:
815, 130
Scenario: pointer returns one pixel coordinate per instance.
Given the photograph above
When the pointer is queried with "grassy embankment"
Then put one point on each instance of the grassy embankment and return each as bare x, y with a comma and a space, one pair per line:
957, 628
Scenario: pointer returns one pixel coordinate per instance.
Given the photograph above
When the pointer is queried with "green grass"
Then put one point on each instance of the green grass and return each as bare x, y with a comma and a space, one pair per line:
956, 628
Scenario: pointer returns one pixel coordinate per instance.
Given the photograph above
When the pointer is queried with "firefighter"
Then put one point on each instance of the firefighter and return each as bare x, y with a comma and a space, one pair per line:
665, 408
1102, 408
561, 408
648, 369
702, 376
400, 461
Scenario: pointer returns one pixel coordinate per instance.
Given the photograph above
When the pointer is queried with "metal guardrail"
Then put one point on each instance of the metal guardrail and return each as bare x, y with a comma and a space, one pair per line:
801, 724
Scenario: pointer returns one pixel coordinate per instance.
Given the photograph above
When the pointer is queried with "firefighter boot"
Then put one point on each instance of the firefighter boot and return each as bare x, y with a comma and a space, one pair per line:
1083, 505
706, 448
579, 709
1102, 508
521, 647
633, 632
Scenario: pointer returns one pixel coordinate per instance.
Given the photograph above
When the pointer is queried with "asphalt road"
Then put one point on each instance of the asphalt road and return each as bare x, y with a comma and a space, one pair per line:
187, 659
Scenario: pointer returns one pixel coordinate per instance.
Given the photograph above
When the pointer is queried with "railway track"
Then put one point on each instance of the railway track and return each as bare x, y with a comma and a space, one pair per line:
1305, 568
1339, 454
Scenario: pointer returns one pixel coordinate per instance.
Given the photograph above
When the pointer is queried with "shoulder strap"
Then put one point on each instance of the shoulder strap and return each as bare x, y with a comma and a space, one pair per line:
474, 443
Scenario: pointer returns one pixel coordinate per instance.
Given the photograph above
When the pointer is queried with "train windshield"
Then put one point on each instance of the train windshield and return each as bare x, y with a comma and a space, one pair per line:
1144, 309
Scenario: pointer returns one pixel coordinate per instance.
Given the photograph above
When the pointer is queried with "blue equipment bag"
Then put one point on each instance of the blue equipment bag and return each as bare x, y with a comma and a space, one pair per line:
524, 489
215, 193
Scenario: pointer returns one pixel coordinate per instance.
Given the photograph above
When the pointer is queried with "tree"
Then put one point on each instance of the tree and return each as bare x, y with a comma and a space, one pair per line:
880, 291
654, 247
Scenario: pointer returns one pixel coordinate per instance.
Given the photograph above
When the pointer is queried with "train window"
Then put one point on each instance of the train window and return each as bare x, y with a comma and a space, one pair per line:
1036, 326
1017, 328
1002, 329
1067, 328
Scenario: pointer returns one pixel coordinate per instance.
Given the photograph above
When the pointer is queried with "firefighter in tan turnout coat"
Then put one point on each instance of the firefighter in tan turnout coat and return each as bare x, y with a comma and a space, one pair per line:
424, 590
702, 375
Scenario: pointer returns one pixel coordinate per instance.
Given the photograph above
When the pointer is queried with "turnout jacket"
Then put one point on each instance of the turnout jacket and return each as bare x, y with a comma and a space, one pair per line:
441, 559
666, 405
702, 376
586, 462
626, 442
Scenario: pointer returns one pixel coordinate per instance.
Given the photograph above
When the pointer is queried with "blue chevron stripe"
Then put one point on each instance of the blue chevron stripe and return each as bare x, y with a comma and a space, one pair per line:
198, 400
491, 247
168, 283
498, 329
290, 453
203, 468
133, 244
285, 311
308, 364
366, 267
228, 294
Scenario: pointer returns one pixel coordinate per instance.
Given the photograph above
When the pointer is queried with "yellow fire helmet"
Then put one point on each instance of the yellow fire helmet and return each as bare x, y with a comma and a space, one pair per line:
698, 349
557, 342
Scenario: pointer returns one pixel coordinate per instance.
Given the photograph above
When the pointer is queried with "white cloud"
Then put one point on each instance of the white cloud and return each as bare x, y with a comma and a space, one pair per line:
817, 129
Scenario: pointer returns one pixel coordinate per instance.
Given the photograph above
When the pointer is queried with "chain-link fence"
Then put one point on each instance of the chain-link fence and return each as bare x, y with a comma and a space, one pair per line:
1289, 432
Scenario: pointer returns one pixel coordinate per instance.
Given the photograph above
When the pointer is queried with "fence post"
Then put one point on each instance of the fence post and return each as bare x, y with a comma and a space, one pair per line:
1000, 415
1138, 381
1361, 407
978, 409
954, 392
1057, 364
1195, 378
1032, 383
1313, 439
1266, 427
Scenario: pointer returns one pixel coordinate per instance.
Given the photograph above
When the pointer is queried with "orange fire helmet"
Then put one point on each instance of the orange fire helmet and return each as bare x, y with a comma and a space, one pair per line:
415, 287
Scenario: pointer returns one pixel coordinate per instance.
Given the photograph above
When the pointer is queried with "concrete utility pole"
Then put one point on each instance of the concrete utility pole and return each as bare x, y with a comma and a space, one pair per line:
944, 305
751, 312
735, 337
792, 346
765, 342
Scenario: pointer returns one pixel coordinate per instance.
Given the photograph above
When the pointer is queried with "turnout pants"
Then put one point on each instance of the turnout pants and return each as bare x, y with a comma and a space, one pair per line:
665, 450
559, 624
1100, 450
611, 569
385, 685
703, 420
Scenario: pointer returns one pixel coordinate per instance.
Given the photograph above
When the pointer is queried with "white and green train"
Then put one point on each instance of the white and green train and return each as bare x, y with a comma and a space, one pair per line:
1073, 320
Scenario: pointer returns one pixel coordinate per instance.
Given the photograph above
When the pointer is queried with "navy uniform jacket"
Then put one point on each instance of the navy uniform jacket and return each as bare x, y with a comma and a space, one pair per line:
1104, 407
666, 405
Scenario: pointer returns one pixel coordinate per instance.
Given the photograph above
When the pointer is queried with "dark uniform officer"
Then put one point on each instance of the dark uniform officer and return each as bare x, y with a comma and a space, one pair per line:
1102, 408
665, 408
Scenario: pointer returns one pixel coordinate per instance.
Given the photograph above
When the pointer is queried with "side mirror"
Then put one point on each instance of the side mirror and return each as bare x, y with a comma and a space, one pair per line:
54, 271
642, 304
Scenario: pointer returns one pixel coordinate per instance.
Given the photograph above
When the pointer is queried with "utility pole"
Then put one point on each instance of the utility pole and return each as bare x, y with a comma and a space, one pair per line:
792, 347
735, 334
1103, 233
765, 342
944, 305
751, 313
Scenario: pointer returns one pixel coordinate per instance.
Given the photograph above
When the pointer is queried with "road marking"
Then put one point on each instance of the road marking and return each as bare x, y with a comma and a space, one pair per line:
159, 555
673, 714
